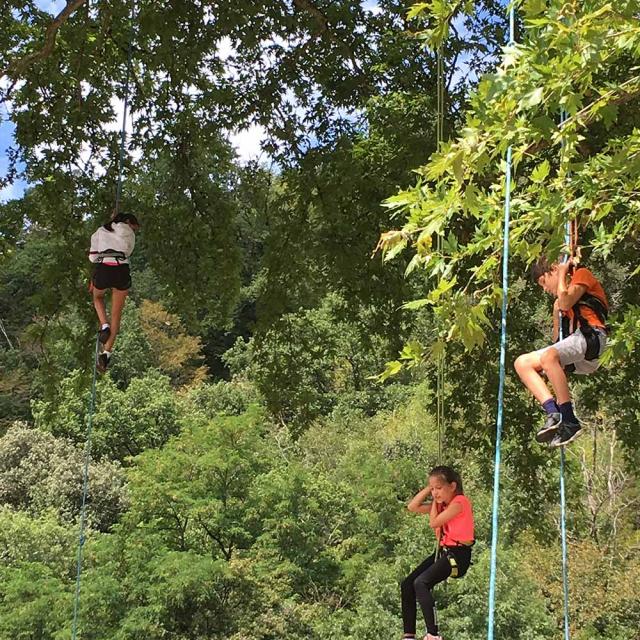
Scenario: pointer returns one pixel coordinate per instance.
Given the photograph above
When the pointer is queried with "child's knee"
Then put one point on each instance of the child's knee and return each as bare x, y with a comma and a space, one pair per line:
549, 357
522, 362
406, 585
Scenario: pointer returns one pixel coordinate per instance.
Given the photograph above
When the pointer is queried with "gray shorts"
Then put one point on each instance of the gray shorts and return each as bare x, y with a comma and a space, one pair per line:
572, 349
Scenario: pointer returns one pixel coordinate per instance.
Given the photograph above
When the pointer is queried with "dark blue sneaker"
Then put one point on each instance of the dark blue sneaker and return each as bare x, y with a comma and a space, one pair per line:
104, 334
103, 361
567, 432
550, 428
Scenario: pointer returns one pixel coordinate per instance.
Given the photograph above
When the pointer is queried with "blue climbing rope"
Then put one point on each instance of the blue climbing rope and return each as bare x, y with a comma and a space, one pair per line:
563, 507
85, 491
123, 131
503, 358
565, 562
92, 404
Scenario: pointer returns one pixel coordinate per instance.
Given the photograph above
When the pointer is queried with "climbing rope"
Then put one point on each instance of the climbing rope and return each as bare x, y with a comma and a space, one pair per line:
92, 403
503, 357
123, 131
571, 241
440, 367
85, 491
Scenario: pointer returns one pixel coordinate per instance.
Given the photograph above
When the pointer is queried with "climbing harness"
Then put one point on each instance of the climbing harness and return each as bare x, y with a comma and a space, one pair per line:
453, 562
109, 254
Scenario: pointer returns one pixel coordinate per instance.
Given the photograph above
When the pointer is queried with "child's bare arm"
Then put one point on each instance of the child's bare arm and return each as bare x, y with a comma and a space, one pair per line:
417, 503
568, 294
556, 320
436, 520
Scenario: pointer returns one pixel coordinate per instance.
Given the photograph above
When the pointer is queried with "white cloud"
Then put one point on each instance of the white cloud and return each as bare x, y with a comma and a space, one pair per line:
12, 192
247, 142
372, 6
54, 7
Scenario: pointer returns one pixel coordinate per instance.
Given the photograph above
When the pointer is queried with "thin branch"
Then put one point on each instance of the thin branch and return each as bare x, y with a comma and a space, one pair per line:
620, 95
18, 67
325, 29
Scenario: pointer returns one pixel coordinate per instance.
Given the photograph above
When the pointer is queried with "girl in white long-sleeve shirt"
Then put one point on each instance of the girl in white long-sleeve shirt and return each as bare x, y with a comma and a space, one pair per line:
111, 246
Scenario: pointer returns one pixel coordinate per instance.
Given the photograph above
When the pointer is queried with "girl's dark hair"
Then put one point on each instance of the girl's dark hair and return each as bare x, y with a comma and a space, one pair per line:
449, 475
122, 217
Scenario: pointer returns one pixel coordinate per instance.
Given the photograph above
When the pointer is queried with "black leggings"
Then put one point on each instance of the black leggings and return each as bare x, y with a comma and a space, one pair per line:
419, 583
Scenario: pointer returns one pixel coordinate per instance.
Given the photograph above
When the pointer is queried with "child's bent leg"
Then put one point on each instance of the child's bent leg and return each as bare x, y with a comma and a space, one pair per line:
528, 367
118, 298
550, 361
99, 305
424, 583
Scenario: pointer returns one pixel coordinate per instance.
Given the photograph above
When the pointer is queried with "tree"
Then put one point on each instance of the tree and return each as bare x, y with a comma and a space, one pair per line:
40, 474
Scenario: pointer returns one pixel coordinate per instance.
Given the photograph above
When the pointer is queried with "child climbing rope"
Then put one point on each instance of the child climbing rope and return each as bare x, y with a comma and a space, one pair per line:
451, 517
582, 303
111, 246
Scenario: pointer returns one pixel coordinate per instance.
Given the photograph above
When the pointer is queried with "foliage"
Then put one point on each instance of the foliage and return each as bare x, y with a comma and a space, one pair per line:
308, 360
266, 471
125, 422
573, 57
40, 474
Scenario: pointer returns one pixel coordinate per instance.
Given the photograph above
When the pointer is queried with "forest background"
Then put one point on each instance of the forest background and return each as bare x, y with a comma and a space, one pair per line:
250, 468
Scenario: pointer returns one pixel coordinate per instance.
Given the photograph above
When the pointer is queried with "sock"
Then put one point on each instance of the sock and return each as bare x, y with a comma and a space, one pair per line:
550, 406
104, 326
566, 409
107, 353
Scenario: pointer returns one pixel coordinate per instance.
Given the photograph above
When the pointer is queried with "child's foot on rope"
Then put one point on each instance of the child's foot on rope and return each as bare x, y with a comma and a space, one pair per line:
567, 432
104, 333
103, 361
550, 428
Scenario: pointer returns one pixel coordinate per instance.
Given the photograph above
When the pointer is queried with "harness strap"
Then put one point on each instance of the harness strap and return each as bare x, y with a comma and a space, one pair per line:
109, 254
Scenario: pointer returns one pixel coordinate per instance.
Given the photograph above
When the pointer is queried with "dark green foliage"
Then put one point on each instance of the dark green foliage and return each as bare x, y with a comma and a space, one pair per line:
125, 422
267, 470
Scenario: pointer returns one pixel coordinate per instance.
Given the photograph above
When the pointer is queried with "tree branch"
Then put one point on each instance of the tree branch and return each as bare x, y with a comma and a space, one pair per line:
622, 94
324, 25
18, 67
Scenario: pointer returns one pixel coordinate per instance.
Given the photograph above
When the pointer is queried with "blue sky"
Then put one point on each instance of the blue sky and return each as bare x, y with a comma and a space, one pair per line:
7, 128
247, 142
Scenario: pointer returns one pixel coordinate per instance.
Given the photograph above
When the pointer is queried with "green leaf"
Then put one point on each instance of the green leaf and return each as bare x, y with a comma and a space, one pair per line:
417, 9
540, 173
532, 99
417, 304
392, 368
609, 114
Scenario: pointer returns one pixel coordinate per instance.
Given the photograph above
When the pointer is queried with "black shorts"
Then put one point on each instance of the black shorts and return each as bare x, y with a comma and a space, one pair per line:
107, 276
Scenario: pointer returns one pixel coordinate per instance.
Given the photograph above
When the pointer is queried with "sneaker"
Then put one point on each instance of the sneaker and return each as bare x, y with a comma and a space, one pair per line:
104, 333
103, 362
567, 433
550, 428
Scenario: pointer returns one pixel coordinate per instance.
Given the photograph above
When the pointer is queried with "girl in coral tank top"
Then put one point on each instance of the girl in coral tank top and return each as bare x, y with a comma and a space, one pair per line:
451, 517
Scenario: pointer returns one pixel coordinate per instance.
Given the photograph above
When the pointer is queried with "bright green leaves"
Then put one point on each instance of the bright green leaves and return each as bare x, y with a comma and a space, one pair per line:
438, 14
412, 354
532, 99
585, 64
540, 173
